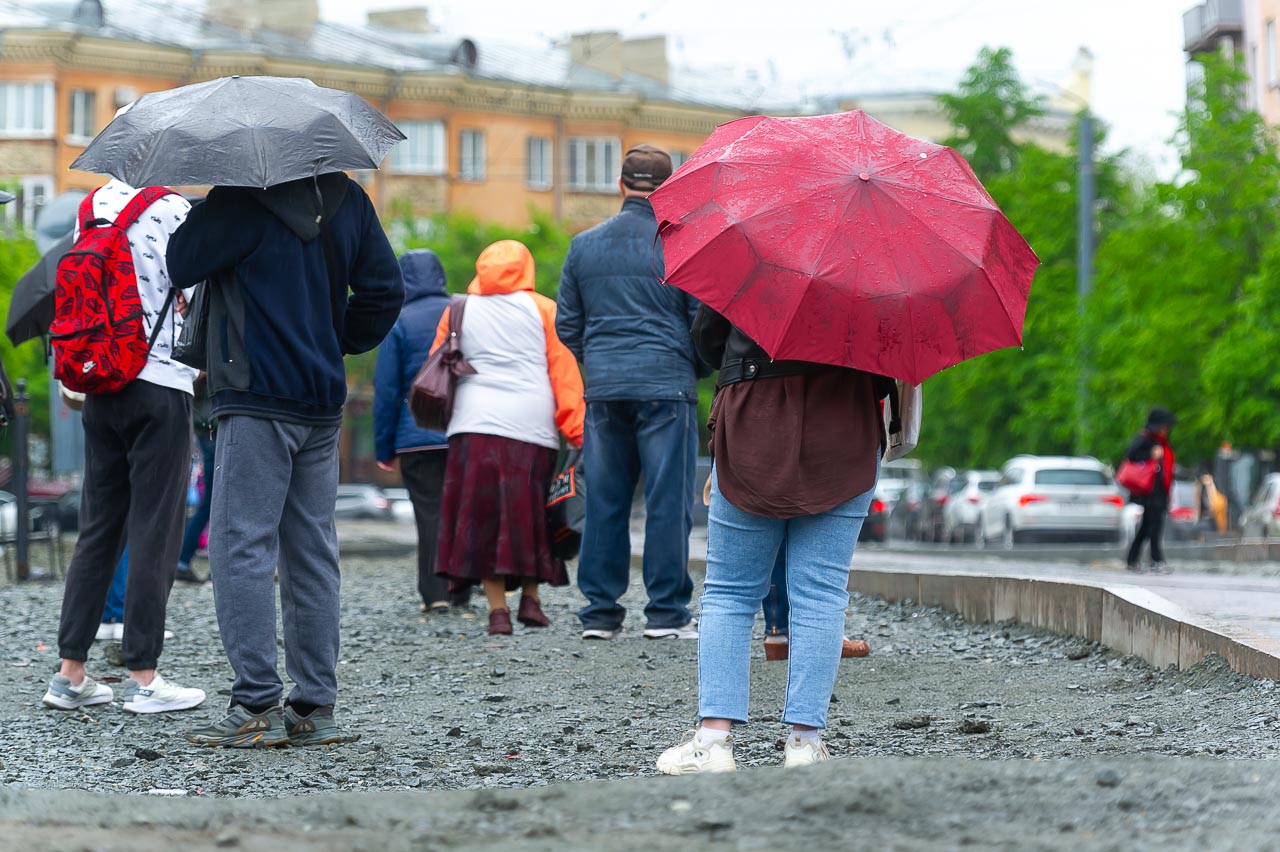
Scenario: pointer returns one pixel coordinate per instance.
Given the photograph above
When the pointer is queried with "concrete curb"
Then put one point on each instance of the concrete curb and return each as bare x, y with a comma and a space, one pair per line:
1127, 619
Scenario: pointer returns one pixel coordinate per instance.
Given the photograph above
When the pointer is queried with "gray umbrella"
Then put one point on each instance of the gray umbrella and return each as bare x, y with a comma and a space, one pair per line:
240, 131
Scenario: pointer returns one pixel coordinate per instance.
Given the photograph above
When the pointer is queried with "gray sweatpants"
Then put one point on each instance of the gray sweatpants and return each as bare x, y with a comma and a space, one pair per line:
274, 489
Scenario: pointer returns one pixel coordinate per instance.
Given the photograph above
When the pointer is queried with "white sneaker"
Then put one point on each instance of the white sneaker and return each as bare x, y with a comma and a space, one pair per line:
604, 635
63, 696
691, 757
687, 631
802, 752
109, 631
159, 696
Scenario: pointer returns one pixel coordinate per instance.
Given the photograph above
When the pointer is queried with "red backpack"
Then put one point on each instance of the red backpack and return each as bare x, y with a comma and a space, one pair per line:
99, 335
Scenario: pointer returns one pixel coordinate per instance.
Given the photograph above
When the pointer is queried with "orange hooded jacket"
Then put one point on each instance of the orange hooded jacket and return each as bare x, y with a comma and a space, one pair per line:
507, 267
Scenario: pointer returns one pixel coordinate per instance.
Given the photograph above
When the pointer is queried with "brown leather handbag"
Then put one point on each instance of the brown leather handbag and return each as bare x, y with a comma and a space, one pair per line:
432, 391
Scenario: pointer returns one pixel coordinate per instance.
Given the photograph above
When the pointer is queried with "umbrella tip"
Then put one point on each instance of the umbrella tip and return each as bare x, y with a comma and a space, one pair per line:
864, 176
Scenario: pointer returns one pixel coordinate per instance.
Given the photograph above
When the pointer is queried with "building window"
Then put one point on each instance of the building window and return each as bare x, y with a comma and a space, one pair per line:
26, 110
537, 158
1273, 62
423, 152
471, 162
81, 126
594, 164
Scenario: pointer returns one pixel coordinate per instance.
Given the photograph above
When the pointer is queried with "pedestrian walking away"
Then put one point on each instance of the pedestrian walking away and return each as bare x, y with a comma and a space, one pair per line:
503, 441
631, 333
137, 451
300, 275
1152, 446
421, 453
797, 450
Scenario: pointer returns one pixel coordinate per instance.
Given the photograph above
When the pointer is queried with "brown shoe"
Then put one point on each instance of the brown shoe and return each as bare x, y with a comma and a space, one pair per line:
531, 614
774, 651
855, 648
500, 622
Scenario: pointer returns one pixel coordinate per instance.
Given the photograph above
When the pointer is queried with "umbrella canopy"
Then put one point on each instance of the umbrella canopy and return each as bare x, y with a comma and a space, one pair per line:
240, 131
838, 240
31, 306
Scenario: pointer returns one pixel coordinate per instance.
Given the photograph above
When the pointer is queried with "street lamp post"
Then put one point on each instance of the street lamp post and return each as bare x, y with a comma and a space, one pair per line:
1085, 235
21, 429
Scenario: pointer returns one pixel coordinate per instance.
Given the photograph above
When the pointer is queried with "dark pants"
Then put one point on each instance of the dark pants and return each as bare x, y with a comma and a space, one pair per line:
423, 474
137, 461
1152, 529
625, 441
199, 520
777, 606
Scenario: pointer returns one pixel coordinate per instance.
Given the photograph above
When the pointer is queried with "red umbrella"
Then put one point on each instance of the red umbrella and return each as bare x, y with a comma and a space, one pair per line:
839, 240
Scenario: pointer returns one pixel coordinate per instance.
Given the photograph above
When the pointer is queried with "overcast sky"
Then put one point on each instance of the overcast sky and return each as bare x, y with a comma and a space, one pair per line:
869, 45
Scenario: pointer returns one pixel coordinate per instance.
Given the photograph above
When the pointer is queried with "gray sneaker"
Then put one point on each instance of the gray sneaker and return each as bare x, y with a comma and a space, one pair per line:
61, 695
242, 729
318, 728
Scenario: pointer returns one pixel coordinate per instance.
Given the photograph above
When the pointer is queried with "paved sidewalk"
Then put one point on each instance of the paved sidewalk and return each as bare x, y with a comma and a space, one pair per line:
1242, 603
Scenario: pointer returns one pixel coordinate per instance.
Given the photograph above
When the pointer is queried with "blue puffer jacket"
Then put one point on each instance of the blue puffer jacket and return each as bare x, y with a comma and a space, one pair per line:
630, 331
402, 354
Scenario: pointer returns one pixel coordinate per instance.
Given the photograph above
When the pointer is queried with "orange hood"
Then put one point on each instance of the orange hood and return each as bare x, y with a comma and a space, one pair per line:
504, 267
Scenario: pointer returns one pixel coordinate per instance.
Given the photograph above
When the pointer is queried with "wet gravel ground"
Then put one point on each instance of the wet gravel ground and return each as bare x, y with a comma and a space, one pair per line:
439, 704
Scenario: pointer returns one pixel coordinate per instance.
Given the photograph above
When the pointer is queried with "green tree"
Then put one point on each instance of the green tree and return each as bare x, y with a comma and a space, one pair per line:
1172, 279
989, 107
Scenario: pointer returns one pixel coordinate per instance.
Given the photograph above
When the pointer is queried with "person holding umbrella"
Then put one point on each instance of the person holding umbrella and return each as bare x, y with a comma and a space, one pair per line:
1152, 445
828, 252
299, 273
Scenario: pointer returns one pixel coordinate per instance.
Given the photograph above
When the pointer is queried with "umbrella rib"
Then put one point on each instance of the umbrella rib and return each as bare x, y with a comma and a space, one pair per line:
925, 223
911, 318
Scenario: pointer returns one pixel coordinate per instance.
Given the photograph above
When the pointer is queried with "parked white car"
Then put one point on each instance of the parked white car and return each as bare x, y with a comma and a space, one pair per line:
1052, 498
965, 496
1262, 518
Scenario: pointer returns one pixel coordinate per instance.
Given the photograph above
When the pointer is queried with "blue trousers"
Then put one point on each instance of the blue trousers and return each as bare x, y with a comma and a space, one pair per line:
196, 525
777, 608
742, 551
114, 610
625, 441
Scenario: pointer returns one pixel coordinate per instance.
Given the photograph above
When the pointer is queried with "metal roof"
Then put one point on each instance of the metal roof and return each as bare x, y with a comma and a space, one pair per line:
181, 24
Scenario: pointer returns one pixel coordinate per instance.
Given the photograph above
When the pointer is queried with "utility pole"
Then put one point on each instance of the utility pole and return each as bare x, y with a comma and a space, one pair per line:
1085, 234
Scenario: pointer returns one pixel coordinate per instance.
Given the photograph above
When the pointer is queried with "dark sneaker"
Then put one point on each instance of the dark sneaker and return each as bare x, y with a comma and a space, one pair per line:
242, 729
318, 728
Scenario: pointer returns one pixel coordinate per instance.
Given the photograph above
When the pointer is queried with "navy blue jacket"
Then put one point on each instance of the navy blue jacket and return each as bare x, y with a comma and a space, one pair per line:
629, 330
278, 330
402, 354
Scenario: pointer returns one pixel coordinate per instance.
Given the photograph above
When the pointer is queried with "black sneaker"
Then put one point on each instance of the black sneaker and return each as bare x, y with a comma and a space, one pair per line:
242, 729
186, 575
316, 728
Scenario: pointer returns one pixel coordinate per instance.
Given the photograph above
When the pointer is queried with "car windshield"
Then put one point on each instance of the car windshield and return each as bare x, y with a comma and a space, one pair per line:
987, 484
1184, 493
1067, 476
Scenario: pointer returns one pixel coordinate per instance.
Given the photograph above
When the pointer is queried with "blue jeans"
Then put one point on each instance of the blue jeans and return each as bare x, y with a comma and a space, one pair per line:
624, 441
777, 608
114, 610
199, 520
742, 550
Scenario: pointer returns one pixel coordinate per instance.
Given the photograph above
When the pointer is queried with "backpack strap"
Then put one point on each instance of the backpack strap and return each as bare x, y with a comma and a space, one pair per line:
160, 318
86, 211
139, 203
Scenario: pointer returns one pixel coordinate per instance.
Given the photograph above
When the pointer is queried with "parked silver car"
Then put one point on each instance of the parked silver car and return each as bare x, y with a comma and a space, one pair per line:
965, 496
365, 502
1052, 498
1262, 518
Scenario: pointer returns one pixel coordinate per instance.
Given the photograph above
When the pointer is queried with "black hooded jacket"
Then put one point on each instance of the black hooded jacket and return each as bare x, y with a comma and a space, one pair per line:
278, 327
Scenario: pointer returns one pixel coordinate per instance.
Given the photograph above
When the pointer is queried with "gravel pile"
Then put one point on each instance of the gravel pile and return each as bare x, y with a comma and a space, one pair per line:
442, 705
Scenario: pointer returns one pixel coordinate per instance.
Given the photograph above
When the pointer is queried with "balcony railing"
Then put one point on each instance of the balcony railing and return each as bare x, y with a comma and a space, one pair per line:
1205, 25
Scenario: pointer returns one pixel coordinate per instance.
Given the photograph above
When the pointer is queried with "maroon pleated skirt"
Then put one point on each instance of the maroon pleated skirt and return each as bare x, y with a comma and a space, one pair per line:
493, 521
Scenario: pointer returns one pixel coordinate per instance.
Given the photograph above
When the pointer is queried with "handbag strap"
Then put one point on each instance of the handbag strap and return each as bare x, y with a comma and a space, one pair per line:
457, 305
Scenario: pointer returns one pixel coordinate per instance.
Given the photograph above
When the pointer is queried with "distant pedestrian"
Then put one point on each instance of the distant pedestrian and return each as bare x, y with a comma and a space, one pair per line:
1152, 444
503, 441
300, 275
206, 432
631, 333
797, 449
777, 617
422, 453
137, 467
